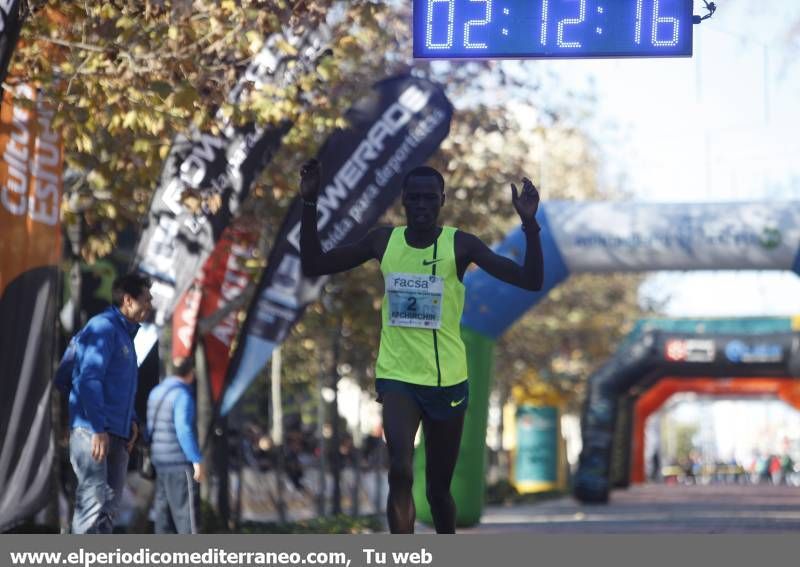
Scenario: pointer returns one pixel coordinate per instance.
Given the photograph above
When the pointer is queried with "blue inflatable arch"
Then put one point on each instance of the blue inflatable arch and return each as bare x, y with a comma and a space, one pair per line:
637, 237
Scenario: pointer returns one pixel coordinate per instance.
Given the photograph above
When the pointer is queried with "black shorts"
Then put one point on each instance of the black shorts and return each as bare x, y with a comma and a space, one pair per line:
436, 402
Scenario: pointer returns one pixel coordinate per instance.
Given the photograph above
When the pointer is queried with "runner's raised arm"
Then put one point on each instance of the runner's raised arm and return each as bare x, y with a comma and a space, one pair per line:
313, 260
530, 276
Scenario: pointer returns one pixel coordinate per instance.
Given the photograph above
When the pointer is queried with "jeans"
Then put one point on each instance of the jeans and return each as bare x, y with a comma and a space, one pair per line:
100, 484
177, 502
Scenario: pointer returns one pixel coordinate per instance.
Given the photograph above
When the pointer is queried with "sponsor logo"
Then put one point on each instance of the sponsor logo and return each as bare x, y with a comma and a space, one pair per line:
454, 404
410, 283
689, 350
770, 238
431, 262
31, 154
686, 234
740, 352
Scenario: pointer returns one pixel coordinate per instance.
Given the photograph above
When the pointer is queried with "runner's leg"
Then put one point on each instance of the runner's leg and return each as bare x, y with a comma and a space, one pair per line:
401, 417
442, 442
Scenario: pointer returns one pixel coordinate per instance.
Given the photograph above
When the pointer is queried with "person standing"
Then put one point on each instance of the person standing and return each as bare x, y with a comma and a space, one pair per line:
175, 451
655, 472
103, 422
422, 366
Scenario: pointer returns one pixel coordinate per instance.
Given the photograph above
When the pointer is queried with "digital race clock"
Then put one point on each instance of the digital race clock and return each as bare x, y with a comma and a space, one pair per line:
497, 29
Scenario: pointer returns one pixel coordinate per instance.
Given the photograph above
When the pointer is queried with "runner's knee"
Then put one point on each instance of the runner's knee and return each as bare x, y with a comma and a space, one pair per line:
438, 496
401, 473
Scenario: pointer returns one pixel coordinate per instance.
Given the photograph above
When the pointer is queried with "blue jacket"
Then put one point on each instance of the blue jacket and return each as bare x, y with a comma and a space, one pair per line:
172, 432
105, 375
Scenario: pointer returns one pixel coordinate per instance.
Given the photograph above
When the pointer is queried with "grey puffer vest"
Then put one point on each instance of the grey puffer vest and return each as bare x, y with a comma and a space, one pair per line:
165, 450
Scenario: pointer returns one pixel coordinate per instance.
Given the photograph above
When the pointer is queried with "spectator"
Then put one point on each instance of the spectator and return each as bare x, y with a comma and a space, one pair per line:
103, 423
787, 468
175, 452
775, 469
293, 467
655, 473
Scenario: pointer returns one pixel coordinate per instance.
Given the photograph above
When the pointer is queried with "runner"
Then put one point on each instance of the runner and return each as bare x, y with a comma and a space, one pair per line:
422, 367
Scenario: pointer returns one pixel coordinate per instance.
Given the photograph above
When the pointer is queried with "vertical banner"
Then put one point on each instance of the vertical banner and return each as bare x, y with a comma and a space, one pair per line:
205, 179
10, 26
201, 187
396, 127
536, 457
31, 164
224, 277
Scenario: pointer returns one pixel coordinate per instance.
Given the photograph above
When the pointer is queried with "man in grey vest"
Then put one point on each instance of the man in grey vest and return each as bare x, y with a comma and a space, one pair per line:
175, 451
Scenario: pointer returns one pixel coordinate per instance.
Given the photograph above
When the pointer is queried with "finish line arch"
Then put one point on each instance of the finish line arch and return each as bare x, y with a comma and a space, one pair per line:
579, 237
650, 401
610, 426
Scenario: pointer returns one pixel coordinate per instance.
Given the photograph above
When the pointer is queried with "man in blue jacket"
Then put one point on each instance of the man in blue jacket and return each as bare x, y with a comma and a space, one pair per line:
103, 424
175, 451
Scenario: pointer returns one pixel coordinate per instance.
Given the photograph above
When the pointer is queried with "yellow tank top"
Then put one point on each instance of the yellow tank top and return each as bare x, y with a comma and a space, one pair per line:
421, 313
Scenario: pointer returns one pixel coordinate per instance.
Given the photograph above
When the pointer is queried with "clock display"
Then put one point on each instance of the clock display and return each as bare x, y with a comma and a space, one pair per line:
509, 29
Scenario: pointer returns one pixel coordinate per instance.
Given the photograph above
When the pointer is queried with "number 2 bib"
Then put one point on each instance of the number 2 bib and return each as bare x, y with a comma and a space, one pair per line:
415, 300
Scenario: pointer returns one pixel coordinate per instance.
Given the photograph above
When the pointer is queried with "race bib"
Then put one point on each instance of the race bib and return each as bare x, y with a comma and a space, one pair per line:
415, 300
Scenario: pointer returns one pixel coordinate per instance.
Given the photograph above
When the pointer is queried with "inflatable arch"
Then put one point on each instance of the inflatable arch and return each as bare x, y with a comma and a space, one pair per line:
780, 388
602, 237
644, 372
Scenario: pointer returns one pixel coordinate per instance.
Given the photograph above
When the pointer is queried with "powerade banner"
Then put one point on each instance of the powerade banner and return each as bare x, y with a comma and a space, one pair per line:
223, 279
392, 130
206, 178
31, 164
10, 26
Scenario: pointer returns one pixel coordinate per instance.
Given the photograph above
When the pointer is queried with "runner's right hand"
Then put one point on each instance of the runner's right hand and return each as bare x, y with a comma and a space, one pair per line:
310, 178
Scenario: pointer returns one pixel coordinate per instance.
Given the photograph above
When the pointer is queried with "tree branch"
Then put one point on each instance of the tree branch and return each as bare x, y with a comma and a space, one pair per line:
72, 44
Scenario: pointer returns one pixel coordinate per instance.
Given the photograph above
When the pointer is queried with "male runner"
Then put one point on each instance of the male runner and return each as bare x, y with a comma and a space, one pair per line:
422, 368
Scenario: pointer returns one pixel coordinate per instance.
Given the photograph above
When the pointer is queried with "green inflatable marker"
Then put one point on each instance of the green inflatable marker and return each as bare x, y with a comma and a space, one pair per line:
469, 481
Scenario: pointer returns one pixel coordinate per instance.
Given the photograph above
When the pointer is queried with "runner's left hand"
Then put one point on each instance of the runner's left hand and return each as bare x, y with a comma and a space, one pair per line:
527, 203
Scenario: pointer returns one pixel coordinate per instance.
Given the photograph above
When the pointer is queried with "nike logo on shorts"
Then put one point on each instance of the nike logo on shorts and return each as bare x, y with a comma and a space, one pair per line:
458, 403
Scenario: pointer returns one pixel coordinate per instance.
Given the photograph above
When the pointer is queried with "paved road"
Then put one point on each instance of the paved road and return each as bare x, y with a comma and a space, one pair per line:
655, 509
